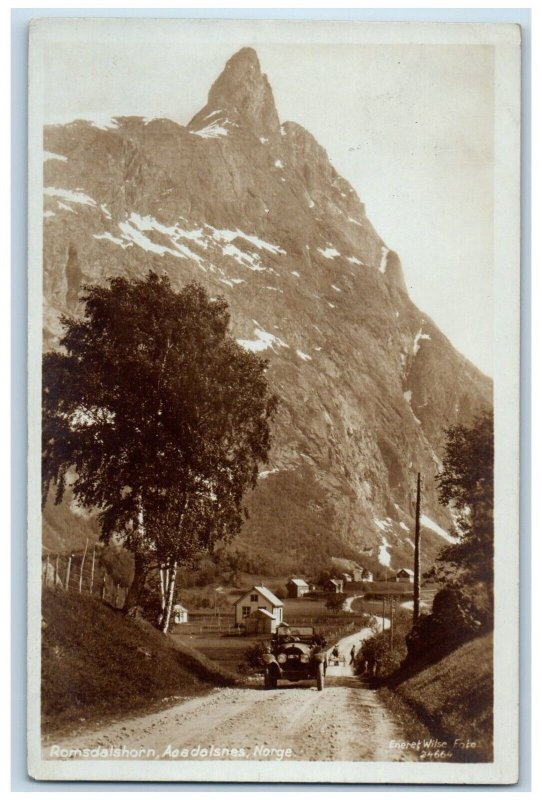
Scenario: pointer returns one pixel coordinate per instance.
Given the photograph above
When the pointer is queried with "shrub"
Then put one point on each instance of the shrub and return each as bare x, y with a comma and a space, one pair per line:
252, 662
459, 613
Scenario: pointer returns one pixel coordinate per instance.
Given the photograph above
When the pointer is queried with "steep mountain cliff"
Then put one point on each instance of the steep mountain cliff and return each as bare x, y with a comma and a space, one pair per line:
255, 211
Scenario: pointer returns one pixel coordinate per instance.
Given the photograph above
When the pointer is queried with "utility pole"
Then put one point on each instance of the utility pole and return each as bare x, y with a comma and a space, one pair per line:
392, 621
416, 610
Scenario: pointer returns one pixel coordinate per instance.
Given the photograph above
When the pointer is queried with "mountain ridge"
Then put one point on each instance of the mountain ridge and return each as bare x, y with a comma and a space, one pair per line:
256, 211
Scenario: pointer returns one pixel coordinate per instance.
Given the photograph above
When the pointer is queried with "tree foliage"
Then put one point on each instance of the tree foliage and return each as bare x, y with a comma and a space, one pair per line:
463, 606
155, 416
466, 484
336, 601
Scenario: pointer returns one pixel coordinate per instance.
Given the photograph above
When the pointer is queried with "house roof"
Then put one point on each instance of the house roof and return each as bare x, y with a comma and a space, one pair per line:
180, 607
265, 592
405, 569
335, 581
298, 582
262, 612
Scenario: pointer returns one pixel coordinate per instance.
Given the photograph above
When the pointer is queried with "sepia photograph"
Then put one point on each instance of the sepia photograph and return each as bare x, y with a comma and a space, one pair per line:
273, 348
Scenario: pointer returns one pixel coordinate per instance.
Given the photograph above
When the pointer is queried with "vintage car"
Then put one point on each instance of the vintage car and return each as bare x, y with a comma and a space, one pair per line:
295, 654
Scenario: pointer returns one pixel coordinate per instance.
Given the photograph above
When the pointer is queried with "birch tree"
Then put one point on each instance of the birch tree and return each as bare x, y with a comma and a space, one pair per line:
157, 418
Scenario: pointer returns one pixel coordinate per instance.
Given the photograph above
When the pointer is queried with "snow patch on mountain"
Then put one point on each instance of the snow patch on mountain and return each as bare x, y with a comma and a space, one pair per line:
428, 523
48, 156
263, 341
71, 197
383, 524
383, 259
408, 395
279, 164
354, 260
224, 235
136, 227
212, 131
417, 339
108, 237
403, 526
329, 252
384, 555
336, 288
303, 355
104, 122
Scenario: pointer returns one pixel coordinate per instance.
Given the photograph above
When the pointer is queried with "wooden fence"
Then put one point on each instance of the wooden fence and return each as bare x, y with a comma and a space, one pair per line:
81, 572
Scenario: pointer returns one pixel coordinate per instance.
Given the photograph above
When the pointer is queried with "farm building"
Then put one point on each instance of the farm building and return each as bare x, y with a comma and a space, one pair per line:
261, 621
333, 585
346, 577
180, 614
404, 576
258, 598
297, 587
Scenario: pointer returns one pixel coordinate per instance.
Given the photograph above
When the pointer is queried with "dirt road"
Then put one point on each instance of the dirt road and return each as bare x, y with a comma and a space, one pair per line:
345, 722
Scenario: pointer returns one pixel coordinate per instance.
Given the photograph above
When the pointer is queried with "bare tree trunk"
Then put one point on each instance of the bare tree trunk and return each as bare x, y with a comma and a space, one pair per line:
92, 571
134, 592
170, 595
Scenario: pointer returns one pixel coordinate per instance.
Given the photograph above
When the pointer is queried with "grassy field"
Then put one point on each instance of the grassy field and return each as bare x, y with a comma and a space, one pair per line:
454, 698
97, 664
226, 651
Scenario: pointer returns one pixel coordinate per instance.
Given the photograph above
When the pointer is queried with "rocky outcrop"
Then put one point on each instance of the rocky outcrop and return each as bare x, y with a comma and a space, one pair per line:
256, 212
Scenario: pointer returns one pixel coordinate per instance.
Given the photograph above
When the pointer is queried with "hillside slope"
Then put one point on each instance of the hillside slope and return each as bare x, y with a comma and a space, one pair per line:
454, 698
97, 663
256, 212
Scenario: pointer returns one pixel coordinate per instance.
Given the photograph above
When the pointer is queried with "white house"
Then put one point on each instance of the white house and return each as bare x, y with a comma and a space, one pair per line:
256, 599
404, 576
297, 587
180, 614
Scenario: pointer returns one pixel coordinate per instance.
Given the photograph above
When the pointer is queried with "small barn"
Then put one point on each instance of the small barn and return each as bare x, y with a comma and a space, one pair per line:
255, 599
404, 576
261, 621
297, 587
180, 614
346, 577
334, 585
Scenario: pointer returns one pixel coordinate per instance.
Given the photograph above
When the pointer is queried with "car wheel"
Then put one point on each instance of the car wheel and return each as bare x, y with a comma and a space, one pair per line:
320, 677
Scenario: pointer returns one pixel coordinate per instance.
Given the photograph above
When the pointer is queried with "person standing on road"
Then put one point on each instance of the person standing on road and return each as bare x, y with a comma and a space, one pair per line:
353, 654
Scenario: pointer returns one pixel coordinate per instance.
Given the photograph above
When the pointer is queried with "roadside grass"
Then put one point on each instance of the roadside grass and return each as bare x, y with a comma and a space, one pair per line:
453, 698
225, 652
98, 664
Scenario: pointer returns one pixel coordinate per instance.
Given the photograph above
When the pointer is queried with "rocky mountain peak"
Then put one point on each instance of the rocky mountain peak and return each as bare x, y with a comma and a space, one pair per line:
240, 97
258, 213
